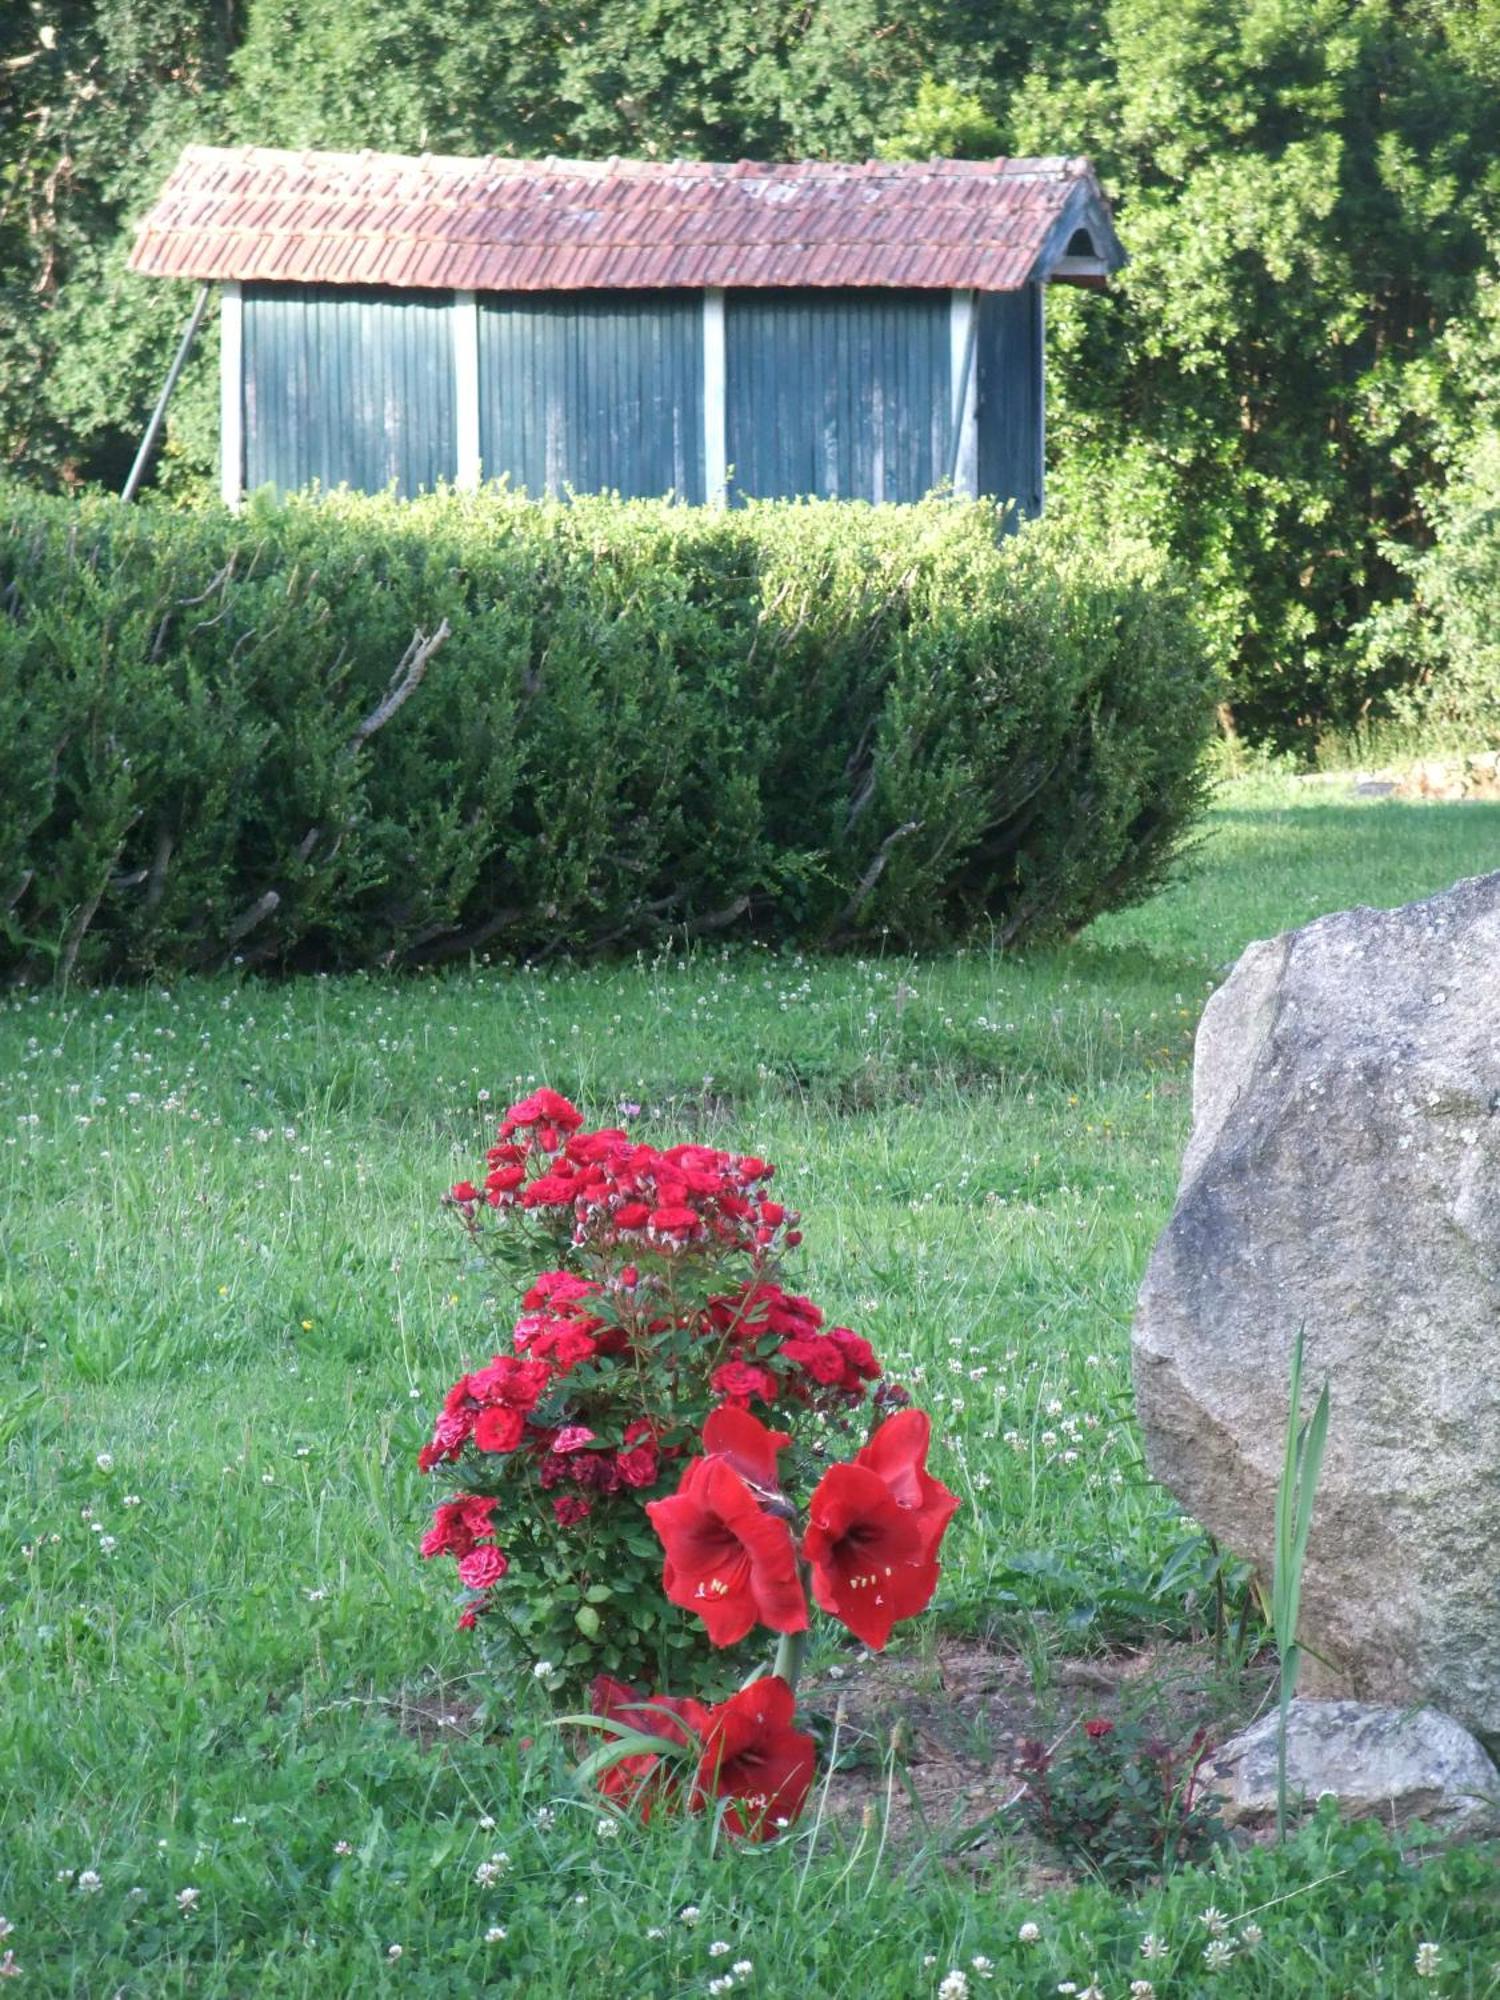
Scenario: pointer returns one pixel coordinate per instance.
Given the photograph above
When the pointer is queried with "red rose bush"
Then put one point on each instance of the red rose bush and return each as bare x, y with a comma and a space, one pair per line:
614, 1459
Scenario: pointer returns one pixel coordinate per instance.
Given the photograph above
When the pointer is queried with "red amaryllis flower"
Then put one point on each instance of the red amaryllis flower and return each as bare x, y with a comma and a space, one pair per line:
746, 1443
898, 1453
873, 1531
641, 1778
726, 1558
753, 1756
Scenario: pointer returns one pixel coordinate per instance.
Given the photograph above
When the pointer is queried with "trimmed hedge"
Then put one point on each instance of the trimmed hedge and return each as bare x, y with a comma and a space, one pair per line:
816, 722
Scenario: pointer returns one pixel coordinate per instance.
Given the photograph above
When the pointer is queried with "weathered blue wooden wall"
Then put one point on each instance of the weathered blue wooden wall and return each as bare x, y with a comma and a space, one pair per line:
593, 391
1009, 417
348, 387
838, 394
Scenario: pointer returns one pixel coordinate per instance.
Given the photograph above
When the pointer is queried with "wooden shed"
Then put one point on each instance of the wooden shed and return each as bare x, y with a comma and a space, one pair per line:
706, 331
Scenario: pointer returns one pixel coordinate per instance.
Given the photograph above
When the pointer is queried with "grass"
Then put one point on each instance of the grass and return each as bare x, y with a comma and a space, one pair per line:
228, 1305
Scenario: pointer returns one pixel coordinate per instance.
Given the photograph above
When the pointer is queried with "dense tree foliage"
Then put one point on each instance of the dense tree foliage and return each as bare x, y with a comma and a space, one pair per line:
1309, 191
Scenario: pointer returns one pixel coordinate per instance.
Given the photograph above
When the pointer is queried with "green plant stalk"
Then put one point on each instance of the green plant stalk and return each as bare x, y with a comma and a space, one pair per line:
791, 1655
1301, 1467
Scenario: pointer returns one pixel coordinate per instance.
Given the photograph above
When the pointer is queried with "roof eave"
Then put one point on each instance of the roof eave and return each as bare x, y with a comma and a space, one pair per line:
1086, 209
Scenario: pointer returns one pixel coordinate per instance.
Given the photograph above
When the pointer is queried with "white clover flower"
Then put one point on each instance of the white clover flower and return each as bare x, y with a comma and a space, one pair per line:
1217, 1954
1142, 1989
107, 1545
1428, 1961
105, 1462
1214, 1921
954, 1987
1251, 1934
719, 1949
89, 1884
607, 1829
393, 1952
1029, 1933
343, 1847
495, 1934
723, 1984
1152, 1946
8, 1967
742, 1968
487, 1822
541, 1670
690, 1915
544, 1819
980, 1965
187, 1900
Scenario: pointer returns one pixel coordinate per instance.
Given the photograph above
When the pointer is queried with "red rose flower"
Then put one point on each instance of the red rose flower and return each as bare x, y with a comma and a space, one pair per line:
482, 1567
457, 1525
545, 1115
753, 1756
675, 1219
819, 1356
464, 1192
570, 1510
726, 1558
638, 1466
498, 1428
738, 1382
1097, 1728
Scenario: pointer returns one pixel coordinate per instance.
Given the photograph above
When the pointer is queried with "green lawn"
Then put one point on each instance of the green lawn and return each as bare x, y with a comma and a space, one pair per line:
229, 1303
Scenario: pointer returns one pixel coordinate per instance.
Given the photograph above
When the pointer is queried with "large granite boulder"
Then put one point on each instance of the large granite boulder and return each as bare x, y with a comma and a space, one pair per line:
1343, 1176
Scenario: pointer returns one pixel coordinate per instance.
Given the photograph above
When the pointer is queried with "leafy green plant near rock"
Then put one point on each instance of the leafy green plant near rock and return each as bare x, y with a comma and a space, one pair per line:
357, 733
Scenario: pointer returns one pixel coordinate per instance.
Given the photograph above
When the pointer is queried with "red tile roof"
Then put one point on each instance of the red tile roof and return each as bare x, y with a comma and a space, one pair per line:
532, 225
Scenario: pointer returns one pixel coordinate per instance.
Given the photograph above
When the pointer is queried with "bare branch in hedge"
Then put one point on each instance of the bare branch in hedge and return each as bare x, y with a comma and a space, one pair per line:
245, 922
83, 917
874, 872
404, 683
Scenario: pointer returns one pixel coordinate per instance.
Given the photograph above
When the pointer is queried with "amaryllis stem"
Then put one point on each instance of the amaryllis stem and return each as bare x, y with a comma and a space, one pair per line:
791, 1651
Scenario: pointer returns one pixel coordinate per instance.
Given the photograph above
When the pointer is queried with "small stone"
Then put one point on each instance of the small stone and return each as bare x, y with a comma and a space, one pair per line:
1392, 1762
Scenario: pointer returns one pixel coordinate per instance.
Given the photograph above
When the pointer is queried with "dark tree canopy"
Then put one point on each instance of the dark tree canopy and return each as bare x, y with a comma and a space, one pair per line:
1309, 191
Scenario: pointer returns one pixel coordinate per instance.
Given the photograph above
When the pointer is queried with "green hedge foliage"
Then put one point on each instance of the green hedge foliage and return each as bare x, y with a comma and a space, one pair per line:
822, 723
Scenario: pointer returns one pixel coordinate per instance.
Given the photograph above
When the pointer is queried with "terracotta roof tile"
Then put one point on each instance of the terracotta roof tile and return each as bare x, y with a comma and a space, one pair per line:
517, 225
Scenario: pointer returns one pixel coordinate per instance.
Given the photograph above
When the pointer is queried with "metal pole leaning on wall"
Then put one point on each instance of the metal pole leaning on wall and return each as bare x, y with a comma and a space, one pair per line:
179, 360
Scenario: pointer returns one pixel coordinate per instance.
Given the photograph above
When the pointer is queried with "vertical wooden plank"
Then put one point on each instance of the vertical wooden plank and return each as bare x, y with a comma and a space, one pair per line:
466, 390
963, 327
715, 446
1009, 357
232, 396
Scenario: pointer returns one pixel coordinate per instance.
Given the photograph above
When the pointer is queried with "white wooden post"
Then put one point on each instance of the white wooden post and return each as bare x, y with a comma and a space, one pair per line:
715, 450
466, 389
963, 376
231, 396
